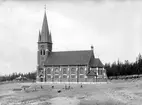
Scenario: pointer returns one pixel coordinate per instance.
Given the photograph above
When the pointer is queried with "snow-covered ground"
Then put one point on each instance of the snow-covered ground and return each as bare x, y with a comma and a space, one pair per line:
117, 92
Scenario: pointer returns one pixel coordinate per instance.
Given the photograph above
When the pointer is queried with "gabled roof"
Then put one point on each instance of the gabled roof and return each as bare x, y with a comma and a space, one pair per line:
69, 58
91, 73
96, 63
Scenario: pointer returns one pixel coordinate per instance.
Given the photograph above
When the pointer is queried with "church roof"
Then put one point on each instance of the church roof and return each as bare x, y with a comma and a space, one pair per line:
72, 58
91, 73
96, 63
69, 58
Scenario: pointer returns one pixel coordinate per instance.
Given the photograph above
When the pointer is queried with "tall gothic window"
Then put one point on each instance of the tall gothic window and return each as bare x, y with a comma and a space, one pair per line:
64, 76
40, 52
64, 70
43, 52
56, 70
100, 72
56, 76
81, 70
49, 76
49, 71
73, 70
73, 76
81, 76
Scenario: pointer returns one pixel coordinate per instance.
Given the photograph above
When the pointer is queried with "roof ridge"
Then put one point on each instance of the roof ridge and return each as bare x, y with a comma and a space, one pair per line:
72, 51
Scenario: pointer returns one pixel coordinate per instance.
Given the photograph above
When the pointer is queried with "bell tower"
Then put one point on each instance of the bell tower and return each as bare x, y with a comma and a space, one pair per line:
44, 47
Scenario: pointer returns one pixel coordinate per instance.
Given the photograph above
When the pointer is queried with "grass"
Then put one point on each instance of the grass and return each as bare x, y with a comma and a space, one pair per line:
92, 94
96, 102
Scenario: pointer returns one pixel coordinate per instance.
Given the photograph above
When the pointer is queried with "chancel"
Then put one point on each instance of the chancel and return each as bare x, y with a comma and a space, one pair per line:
66, 66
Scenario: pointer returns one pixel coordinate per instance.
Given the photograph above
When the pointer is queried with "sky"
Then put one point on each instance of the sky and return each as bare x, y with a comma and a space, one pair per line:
113, 27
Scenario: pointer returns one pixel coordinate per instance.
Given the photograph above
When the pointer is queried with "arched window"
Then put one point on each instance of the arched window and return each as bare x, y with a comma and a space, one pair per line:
56, 70
81, 76
43, 52
40, 52
56, 76
64, 76
100, 71
64, 70
49, 76
73, 70
81, 70
49, 71
73, 76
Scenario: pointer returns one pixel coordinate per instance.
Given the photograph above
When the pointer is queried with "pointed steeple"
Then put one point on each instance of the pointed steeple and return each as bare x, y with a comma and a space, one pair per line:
50, 38
39, 38
45, 34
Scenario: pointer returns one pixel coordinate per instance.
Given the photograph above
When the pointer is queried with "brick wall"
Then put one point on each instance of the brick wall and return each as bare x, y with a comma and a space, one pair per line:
66, 74
70, 74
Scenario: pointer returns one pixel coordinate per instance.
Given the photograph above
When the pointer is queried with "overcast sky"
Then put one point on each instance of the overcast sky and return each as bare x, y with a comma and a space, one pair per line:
114, 28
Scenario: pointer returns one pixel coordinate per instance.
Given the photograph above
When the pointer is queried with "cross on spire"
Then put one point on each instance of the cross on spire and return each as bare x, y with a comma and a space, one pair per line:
45, 7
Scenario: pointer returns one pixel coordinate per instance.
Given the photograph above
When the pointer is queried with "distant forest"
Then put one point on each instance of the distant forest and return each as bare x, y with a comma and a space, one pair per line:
124, 69
116, 69
30, 76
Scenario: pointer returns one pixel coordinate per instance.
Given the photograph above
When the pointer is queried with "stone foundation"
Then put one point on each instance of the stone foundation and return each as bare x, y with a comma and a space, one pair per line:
71, 83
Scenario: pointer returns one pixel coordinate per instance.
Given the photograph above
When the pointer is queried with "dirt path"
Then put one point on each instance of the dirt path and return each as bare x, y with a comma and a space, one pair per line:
103, 94
124, 96
64, 101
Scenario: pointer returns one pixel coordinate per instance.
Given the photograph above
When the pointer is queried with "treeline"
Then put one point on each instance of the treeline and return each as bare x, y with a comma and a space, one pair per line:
118, 68
13, 76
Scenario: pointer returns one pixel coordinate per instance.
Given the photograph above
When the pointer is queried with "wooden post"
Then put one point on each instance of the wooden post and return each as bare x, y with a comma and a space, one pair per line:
52, 74
77, 73
60, 74
45, 74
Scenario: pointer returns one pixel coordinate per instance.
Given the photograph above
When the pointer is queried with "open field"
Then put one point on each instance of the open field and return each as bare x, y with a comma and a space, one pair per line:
116, 92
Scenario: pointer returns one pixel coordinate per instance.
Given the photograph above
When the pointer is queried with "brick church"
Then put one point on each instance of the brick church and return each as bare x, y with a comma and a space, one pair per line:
66, 66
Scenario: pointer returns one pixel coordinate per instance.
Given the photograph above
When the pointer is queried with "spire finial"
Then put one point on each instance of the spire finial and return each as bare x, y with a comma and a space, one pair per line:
45, 7
92, 47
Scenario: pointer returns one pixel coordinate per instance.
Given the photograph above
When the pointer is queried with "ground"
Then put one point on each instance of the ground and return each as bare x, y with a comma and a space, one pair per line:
116, 92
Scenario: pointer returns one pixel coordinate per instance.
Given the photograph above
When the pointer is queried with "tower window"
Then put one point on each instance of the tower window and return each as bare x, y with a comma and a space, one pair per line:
43, 52
40, 52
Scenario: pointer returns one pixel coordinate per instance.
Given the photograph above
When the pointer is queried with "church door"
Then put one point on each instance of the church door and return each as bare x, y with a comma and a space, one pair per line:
41, 79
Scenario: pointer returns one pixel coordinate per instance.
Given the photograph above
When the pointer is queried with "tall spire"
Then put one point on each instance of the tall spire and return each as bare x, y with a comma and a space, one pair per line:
45, 34
50, 38
39, 38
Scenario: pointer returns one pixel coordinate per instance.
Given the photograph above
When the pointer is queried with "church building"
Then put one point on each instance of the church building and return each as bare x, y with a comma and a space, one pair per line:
66, 66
